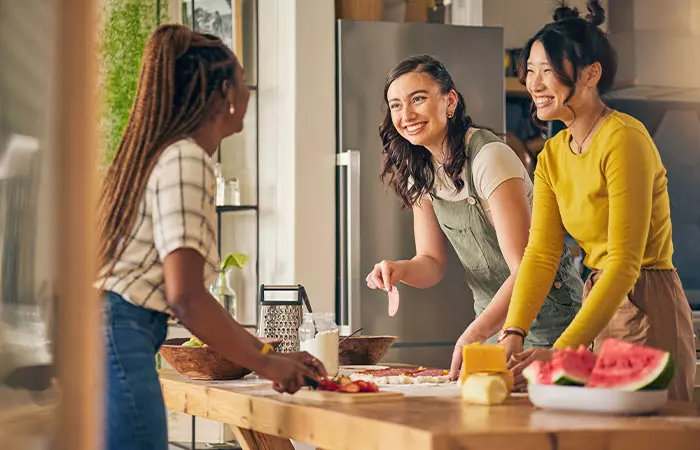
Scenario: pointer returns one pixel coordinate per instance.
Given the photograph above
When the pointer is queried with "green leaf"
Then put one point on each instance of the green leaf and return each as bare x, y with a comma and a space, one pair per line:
234, 260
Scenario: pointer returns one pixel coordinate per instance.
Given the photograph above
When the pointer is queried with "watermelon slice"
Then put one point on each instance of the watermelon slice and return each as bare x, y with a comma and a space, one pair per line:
567, 367
631, 367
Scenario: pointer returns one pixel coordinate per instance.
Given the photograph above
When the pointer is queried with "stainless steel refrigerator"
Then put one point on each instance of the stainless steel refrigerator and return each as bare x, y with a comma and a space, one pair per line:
371, 223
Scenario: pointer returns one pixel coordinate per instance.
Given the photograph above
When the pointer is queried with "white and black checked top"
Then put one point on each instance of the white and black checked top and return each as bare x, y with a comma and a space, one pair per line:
177, 210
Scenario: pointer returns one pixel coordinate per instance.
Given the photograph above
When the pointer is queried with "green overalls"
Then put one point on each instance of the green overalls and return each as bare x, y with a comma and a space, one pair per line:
474, 239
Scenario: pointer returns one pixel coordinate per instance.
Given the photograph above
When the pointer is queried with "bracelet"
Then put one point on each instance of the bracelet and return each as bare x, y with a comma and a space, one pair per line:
267, 348
508, 331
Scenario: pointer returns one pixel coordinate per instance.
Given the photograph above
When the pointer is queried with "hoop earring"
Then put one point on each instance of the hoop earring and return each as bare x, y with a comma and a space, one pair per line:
231, 109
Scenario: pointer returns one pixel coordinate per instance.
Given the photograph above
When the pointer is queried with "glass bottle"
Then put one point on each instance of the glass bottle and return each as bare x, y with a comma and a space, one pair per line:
221, 290
318, 335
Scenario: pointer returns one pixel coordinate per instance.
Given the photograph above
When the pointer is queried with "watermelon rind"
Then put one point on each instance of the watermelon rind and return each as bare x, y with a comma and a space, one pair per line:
663, 381
564, 378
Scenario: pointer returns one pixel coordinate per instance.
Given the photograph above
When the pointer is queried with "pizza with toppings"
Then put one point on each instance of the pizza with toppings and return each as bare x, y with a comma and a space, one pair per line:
420, 375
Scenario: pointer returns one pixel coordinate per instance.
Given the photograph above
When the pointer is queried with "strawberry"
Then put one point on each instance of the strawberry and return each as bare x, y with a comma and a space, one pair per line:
351, 388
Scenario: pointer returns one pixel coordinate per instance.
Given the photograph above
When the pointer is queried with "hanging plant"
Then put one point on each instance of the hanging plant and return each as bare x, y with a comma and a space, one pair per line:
125, 27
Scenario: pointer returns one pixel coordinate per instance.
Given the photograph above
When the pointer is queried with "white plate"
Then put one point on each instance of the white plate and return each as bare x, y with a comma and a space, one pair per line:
607, 401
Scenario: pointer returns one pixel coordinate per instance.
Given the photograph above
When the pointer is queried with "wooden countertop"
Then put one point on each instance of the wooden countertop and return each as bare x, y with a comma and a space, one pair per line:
262, 418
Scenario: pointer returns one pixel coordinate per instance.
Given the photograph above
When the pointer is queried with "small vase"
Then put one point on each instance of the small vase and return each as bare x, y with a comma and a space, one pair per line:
223, 292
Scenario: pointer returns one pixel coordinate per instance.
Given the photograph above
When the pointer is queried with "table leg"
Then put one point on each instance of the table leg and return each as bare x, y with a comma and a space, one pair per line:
252, 440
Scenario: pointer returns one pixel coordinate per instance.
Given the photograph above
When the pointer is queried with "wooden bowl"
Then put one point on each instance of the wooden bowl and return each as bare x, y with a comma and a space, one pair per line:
364, 350
203, 363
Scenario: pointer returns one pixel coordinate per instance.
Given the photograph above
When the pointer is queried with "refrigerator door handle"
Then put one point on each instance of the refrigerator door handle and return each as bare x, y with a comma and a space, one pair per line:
349, 313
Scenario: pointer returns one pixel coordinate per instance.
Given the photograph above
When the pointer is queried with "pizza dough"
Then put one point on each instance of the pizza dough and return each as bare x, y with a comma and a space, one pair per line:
402, 376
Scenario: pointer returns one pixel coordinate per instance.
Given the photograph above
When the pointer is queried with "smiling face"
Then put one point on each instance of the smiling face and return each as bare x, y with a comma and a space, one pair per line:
419, 110
548, 92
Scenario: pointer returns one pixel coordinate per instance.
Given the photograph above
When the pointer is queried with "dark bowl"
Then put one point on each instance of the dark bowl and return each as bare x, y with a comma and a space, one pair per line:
364, 350
203, 363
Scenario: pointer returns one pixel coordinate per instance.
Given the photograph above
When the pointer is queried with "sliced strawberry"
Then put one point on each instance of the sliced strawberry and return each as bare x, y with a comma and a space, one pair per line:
343, 380
351, 388
371, 387
328, 385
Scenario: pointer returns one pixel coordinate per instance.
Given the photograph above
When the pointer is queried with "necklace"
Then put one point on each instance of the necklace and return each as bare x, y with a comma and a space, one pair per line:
578, 146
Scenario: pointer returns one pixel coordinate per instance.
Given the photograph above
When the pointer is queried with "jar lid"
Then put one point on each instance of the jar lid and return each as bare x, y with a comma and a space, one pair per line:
319, 315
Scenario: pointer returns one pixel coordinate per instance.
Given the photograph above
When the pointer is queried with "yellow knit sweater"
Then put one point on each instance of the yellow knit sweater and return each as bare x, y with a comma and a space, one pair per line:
613, 201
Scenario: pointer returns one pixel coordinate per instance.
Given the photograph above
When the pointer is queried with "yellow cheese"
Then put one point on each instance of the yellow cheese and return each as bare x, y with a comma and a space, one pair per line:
484, 390
483, 358
507, 377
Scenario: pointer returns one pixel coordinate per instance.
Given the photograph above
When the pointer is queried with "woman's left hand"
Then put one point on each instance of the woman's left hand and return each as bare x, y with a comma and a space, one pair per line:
520, 361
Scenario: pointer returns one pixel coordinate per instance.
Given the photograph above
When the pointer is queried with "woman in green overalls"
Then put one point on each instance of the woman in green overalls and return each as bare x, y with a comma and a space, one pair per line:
465, 183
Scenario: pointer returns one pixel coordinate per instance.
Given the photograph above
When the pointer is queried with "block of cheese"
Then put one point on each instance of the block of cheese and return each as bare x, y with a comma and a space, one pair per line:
484, 390
483, 358
507, 377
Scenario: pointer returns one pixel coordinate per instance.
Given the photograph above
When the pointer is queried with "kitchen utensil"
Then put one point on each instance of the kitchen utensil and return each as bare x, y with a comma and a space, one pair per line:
350, 335
280, 314
307, 302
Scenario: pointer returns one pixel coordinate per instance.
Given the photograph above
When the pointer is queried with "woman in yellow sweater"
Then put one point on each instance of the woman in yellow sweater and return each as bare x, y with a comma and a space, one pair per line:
601, 180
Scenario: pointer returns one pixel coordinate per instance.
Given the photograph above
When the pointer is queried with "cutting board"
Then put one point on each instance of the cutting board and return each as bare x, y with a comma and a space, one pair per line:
340, 397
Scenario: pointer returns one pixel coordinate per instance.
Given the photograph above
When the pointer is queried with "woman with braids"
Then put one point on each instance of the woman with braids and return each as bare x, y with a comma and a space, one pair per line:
602, 180
157, 246
464, 183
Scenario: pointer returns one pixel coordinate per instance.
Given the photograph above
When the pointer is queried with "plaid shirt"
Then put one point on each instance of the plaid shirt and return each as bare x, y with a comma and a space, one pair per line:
177, 210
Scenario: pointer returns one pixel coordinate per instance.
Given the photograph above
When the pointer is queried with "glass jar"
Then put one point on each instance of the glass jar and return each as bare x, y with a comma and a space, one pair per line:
318, 335
223, 292
232, 192
220, 185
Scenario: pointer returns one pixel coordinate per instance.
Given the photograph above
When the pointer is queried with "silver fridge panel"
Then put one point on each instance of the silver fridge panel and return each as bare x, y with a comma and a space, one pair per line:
372, 225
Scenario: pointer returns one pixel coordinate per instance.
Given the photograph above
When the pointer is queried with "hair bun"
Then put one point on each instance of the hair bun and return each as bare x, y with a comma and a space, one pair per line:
564, 12
597, 13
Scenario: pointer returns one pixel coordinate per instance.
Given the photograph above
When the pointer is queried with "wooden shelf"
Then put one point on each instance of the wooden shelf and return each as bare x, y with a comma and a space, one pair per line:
231, 208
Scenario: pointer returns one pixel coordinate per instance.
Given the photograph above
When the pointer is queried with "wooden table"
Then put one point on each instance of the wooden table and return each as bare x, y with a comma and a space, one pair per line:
264, 419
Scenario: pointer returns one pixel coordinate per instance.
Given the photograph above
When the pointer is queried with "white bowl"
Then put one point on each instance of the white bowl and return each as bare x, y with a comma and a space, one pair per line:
607, 401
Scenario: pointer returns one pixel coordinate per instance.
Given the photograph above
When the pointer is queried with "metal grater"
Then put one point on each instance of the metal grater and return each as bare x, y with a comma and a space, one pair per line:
281, 314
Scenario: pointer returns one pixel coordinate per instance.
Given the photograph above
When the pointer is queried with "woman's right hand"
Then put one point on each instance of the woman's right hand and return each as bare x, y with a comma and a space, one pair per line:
287, 373
385, 274
513, 345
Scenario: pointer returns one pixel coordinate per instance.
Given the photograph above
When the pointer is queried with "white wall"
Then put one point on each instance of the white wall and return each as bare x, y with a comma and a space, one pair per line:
297, 146
521, 19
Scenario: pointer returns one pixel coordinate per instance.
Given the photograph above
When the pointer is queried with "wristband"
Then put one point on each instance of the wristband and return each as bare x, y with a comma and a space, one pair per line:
267, 348
509, 331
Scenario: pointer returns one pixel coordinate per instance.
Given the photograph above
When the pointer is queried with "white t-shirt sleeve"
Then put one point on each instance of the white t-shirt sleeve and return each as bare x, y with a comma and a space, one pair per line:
495, 163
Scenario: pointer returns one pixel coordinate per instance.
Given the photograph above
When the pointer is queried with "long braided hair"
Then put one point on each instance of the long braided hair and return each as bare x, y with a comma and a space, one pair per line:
182, 77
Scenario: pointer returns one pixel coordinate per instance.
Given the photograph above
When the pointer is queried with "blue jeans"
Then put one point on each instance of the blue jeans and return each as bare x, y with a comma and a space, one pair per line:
135, 415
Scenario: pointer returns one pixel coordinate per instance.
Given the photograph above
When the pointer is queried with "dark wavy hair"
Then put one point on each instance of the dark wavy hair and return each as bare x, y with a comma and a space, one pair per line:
577, 40
403, 160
